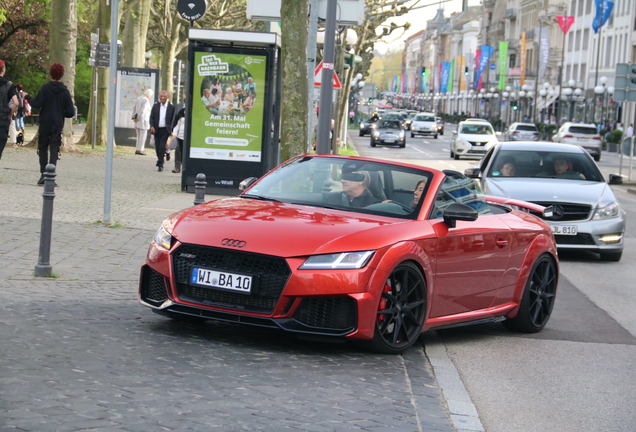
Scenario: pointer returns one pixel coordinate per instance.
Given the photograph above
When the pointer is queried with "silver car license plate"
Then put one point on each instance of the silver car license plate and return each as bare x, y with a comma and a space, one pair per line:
222, 280
570, 230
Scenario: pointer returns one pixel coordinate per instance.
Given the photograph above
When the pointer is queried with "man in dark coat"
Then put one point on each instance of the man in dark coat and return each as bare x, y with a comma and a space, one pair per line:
161, 116
7, 94
55, 103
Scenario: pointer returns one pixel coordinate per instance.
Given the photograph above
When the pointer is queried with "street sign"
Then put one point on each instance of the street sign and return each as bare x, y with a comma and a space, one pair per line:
191, 10
318, 76
94, 37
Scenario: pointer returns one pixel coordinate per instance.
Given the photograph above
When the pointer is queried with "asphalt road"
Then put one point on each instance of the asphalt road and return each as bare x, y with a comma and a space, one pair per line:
578, 373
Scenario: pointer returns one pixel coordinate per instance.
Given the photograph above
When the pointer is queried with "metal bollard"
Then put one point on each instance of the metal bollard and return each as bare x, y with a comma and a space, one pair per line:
199, 189
43, 268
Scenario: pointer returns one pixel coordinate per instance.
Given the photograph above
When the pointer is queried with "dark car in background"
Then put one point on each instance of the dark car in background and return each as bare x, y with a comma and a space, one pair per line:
366, 126
388, 132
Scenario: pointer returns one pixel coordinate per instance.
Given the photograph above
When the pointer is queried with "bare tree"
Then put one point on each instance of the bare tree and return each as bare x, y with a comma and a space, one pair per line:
374, 28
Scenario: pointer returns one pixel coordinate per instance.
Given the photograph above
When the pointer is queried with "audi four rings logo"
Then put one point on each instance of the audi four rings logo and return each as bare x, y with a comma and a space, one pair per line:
233, 243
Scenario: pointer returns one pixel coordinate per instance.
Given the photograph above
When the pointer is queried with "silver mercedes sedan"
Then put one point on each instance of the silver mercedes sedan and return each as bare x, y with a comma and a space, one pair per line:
585, 212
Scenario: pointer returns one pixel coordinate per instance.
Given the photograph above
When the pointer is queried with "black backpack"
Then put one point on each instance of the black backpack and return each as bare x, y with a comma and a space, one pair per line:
5, 108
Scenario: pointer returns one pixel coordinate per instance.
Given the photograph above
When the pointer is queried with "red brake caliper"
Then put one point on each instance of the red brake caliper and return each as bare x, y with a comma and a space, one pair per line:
383, 302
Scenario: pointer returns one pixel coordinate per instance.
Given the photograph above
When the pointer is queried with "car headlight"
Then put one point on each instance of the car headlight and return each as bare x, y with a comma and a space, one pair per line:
376, 134
163, 238
610, 211
340, 261
402, 134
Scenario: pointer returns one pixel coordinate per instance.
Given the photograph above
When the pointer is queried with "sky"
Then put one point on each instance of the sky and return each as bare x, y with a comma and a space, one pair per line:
418, 18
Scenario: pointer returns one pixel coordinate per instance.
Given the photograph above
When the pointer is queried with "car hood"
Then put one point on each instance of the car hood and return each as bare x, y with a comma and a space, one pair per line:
478, 138
285, 230
550, 190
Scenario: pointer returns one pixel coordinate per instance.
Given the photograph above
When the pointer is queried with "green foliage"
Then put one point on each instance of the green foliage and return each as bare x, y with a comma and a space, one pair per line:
615, 136
83, 81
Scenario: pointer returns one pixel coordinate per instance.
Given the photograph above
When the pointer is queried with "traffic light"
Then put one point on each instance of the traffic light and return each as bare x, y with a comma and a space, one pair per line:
370, 100
350, 60
466, 71
514, 106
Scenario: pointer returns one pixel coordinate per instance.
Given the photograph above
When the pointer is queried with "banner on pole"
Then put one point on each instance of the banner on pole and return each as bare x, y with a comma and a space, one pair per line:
503, 64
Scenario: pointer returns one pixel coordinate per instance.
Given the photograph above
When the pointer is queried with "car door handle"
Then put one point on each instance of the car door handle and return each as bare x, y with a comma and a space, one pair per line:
502, 243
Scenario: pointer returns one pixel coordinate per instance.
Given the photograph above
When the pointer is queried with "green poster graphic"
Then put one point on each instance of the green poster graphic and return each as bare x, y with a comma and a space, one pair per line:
503, 58
228, 106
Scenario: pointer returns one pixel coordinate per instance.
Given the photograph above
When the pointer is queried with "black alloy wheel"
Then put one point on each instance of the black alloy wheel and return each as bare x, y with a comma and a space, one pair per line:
401, 311
538, 298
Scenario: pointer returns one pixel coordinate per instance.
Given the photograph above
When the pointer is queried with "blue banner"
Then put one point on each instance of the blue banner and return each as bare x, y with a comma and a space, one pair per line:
484, 58
603, 12
445, 74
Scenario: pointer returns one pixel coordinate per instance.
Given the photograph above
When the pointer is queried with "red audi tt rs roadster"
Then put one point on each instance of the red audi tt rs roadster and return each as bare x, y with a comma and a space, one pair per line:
372, 251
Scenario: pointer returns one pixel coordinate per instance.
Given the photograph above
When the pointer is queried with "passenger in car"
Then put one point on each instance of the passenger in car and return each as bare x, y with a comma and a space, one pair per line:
417, 194
508, 167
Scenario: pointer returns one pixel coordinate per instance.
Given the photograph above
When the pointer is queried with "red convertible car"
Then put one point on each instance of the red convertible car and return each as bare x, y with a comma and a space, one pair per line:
372, 251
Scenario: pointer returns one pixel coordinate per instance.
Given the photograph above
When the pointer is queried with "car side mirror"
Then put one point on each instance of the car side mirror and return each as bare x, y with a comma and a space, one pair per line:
454, 132
247, 183
472, 172
498, 133
615, 179
458, 211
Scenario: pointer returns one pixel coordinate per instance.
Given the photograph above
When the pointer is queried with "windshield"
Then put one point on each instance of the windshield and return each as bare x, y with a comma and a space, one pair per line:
528, 128
389, 124
583, 130
477, 129
567, 166
425, 118
345, 184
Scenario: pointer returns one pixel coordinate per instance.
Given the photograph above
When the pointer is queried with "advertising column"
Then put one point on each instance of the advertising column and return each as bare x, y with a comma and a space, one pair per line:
228, 106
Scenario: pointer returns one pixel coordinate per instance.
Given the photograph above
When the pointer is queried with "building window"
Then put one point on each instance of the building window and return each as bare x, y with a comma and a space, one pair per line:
586, 39
570, 42
568, 70
583, 72
580, 8
575, 72
588, 7
512, 61
608, 51
572, 7
577, 44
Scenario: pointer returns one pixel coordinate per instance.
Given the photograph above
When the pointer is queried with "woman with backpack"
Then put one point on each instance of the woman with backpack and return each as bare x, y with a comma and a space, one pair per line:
21, 112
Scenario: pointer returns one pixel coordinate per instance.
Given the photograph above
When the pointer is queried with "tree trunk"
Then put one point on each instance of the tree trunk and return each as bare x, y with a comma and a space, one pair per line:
169, 53
62, 49
137, 18
103, 23
294, 92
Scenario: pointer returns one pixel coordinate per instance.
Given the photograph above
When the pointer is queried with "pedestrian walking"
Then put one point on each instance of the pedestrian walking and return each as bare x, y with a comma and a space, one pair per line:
8, 106
21, 113
160, 117
141, 117
55, 103
177, 132
630, 130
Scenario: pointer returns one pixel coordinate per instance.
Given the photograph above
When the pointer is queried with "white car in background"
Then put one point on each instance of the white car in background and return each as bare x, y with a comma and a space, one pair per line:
473, 138
424, 124
583, 135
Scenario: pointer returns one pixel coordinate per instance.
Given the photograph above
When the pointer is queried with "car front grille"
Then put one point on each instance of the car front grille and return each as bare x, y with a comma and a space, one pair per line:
153, 287
581, 239
270, 277
571, 212
328, 313
477, 143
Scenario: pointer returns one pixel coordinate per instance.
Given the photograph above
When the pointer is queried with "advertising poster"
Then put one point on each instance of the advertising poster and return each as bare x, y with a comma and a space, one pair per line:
131, 83
228, 106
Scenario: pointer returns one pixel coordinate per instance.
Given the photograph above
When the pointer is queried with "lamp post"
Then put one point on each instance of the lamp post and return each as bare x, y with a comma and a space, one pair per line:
514, 117
148, 55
